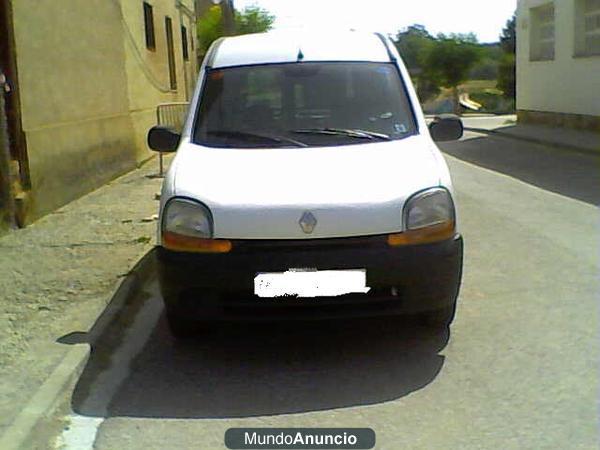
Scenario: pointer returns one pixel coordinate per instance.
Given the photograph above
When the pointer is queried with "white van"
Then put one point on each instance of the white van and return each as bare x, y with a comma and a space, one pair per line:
306, 161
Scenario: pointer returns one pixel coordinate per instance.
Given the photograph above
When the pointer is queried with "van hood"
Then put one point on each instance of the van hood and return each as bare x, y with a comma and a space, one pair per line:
350, 190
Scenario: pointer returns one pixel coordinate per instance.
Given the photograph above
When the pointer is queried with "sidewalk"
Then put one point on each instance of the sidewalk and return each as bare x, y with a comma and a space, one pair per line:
58, 275
578, 140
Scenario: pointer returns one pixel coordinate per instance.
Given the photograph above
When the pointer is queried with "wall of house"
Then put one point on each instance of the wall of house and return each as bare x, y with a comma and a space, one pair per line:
148, 71
569, 84
89, 90
74, 102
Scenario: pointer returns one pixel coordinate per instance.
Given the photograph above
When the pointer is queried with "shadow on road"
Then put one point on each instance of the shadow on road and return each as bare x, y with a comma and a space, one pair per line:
246, 370
569, 173
254, 371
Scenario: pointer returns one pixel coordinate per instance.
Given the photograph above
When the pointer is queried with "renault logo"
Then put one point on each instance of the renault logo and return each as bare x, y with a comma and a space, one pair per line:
308, 222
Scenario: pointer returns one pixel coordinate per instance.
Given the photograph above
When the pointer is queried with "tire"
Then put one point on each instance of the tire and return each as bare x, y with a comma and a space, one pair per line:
439, 318
182, 328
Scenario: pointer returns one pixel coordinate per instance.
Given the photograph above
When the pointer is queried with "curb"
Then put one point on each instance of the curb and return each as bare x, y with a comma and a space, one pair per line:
583, 150
54, 391
47, 399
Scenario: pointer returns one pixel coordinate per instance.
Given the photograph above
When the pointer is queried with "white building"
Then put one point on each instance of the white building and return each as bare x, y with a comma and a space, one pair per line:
558, 62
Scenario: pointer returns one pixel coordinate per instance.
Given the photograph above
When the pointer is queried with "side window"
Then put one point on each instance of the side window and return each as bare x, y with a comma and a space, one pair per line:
149, 27
541, 39
170, 53
184, 44
587, 27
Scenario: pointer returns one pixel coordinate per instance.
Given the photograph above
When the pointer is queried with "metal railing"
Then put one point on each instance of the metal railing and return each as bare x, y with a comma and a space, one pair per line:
171, 115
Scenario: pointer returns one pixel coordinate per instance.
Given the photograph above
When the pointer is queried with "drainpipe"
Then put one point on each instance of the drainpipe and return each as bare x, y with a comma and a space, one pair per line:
7, 201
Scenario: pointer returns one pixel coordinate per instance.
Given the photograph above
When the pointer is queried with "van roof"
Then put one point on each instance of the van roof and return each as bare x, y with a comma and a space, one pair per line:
286, 46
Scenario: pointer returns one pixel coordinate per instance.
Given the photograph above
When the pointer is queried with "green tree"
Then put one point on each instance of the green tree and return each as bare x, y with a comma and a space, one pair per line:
210, 28
507, 69
450, 60
251, 20
487, 67
413, 44
508, 38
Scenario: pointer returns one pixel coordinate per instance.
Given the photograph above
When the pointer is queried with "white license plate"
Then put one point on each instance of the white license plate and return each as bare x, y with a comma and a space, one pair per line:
310, 283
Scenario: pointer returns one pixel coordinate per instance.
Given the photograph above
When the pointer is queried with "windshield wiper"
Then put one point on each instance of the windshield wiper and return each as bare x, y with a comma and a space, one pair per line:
351, 132
244, 134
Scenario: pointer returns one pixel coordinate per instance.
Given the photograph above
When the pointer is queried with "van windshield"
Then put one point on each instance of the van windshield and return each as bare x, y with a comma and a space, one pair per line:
303, 105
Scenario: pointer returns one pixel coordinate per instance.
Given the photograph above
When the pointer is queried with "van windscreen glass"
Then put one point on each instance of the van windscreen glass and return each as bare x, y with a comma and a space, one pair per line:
303, 104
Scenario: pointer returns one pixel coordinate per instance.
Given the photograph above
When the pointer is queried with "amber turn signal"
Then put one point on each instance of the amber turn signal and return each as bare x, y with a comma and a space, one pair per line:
180, 243
426, 235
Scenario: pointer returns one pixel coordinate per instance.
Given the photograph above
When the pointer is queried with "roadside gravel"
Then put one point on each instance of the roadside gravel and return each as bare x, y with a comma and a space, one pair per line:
57, 275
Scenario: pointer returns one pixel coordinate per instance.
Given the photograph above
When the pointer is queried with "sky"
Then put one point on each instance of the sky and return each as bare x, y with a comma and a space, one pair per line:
485, 18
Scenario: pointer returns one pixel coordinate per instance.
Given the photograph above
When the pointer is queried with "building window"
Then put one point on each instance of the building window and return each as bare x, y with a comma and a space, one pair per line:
149, 27
184, 44
587, 28
541, 39
171, 53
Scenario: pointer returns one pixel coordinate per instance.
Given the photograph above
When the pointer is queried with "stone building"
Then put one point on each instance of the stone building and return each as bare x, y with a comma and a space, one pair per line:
84, 78
558, 62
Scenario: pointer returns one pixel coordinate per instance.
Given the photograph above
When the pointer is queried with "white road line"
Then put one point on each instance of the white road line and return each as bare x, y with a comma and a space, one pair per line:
82, 430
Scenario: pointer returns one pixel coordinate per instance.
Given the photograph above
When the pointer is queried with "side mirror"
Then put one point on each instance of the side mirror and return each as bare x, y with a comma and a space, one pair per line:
446, 127
163, 139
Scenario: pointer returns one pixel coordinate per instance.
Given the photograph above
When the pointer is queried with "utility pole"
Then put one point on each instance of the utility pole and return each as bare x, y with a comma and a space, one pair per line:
228, 19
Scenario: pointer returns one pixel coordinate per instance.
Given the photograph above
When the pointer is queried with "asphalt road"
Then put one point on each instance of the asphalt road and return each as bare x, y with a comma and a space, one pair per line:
518, 369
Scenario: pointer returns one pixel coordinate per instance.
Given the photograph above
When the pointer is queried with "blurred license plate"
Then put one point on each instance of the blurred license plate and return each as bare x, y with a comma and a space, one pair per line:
311, 283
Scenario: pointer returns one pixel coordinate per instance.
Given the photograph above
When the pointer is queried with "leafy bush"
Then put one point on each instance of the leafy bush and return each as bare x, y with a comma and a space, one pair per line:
252, 19
493, 102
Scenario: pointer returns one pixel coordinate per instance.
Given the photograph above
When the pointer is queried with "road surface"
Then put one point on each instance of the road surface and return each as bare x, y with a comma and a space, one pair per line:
518, 369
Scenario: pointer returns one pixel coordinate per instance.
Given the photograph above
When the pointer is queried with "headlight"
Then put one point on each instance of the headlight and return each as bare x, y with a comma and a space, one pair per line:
187, 218
428, 208
187, 227
428, 217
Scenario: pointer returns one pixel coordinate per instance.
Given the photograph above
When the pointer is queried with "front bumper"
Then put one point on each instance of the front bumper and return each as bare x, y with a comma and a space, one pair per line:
221, 286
